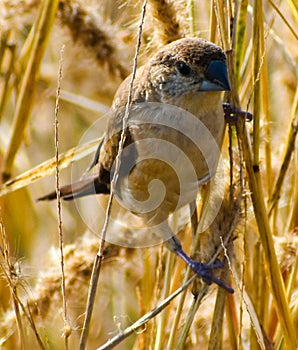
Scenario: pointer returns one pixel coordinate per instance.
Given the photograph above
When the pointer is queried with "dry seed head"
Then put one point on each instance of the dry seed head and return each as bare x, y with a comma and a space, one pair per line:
15, 14
90, 31
164, 15
286, 250
79, 258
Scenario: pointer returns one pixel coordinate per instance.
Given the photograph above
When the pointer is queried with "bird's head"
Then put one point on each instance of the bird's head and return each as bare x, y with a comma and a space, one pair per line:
188, 66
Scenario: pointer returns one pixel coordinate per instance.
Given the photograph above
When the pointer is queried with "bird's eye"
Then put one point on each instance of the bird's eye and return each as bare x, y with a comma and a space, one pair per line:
183, 68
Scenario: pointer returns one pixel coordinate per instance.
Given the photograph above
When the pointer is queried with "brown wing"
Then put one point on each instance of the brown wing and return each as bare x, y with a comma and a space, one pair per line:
100, 183
106, 153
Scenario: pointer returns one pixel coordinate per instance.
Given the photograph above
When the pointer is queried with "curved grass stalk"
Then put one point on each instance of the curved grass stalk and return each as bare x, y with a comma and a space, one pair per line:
48, 167
110, 344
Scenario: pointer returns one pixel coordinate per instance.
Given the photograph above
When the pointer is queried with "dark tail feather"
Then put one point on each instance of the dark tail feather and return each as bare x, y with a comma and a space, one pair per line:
82, 188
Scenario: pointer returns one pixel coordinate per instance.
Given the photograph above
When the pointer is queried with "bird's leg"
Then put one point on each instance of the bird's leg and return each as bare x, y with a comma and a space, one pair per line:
203, 270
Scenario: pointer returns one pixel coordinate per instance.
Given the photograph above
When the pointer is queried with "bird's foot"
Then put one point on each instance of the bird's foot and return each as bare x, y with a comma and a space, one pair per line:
232, 113
205, 270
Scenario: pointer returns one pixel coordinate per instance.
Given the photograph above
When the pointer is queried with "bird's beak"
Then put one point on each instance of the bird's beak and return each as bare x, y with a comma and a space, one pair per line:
216, 77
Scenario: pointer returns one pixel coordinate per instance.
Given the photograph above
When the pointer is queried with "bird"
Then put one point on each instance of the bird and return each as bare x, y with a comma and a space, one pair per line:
172, 140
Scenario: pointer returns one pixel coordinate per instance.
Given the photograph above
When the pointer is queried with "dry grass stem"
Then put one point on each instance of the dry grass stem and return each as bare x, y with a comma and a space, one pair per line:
11, 48
27, 87
48, 167
12, 275
143, 320
267, 241
290, 148
99, 256
293, 31
254, 231
67, 329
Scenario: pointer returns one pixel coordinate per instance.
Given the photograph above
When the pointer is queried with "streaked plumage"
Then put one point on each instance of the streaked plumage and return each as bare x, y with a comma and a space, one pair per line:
191, 75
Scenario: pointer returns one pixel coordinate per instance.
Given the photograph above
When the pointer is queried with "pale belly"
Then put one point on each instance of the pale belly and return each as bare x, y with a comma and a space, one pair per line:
176, 153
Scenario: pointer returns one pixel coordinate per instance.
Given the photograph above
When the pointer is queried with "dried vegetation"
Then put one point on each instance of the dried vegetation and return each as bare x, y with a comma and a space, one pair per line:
257, 224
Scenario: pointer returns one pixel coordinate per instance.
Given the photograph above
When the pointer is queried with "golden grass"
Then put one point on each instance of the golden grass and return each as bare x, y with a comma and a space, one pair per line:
260, 209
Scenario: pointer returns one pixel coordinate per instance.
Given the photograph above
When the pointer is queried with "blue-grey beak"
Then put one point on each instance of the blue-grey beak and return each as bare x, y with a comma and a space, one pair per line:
216, 77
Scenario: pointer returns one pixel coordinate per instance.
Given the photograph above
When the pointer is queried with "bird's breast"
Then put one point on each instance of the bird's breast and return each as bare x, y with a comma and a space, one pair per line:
173, 152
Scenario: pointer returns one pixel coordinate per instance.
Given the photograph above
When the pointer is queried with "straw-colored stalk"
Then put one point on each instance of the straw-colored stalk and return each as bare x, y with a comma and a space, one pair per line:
38, 44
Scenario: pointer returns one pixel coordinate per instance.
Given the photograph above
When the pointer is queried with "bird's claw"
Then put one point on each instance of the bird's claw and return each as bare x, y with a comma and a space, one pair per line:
216, 265
205, 272
232, 113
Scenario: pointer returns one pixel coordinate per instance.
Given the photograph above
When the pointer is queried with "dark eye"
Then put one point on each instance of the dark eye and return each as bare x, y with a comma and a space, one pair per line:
183, 68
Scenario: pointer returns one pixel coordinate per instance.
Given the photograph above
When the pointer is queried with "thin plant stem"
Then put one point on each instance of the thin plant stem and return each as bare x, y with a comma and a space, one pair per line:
277, 286
215, 338
24, 104
292, 30
47, 168
159, 338
290, 147
178, 315
6, 88
99, 256
194, 226
260, 211
110, 344
213, 22
10, 274
257, 69
66, 332
192, 12
190, 317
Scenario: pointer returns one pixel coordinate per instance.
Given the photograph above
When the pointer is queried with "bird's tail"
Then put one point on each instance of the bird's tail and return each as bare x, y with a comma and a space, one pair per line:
84, 187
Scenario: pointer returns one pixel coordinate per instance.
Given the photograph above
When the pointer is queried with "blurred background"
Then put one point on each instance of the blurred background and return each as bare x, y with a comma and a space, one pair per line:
97, 42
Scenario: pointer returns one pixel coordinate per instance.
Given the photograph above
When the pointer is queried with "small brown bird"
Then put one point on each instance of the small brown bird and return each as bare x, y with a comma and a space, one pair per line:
172, 143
